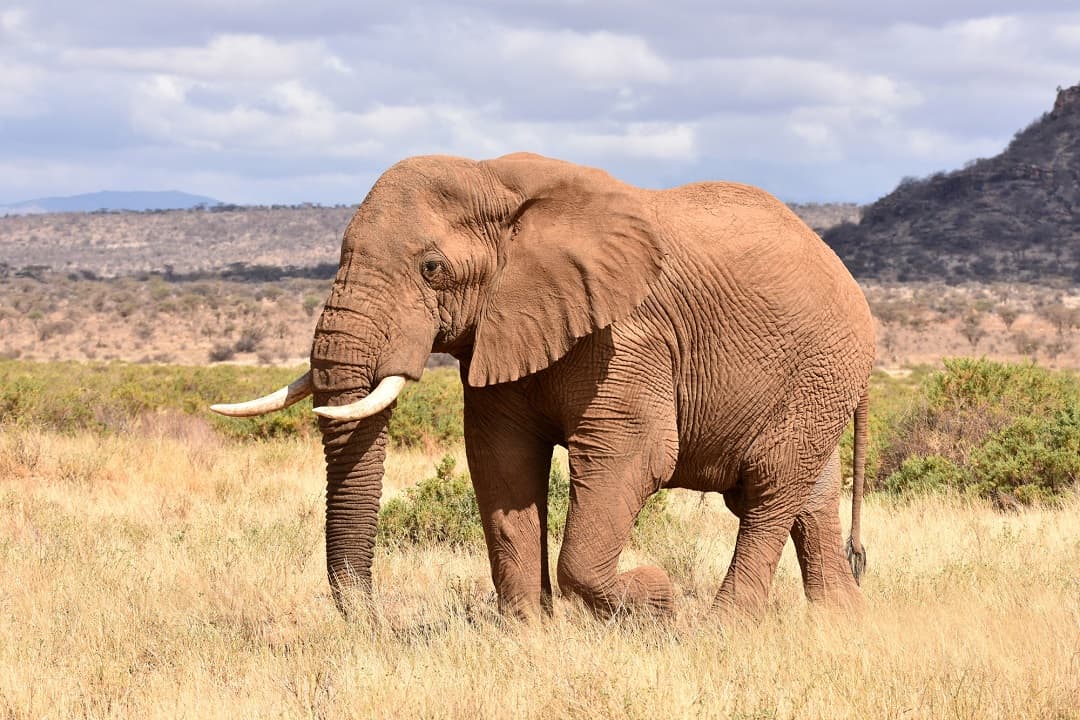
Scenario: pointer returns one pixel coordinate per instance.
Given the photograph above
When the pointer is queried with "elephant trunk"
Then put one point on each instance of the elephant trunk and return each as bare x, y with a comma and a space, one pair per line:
343, 371
354, 471
359, 364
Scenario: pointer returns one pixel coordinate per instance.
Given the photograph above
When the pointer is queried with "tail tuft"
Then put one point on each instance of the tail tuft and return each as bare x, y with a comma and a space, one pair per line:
857, 560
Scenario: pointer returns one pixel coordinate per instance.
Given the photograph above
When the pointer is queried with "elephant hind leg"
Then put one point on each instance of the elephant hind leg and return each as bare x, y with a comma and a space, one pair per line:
773, 487
590, 555
604, 503
826, 576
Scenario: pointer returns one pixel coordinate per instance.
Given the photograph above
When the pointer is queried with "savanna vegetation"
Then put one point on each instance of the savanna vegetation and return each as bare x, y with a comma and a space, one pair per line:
156, 561
265, 316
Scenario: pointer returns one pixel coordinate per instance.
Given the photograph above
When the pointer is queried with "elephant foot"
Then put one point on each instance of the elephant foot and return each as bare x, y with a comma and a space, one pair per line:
645, 590
525, 608
734, 608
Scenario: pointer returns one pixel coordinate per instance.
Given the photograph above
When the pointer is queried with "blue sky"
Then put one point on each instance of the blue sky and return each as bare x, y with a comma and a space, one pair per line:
254, 101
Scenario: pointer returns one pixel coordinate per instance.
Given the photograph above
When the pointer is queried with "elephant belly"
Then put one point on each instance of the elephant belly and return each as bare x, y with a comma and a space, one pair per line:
712, 467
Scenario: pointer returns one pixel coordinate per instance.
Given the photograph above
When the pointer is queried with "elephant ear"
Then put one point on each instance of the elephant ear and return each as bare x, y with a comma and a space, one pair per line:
579, 252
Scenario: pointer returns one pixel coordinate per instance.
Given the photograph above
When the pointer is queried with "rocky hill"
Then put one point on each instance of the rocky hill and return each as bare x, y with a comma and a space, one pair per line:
1013, 217
822, 216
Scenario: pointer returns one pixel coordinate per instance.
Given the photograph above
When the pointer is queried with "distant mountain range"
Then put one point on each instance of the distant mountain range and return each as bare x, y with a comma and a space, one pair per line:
110, 200
1012, 217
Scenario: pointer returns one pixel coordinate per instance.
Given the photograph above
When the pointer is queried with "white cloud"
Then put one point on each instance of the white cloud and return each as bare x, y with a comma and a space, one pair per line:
224, 56
594, 58
984, 31
637, 140
837, 103
12, 19
789, 81
18, 96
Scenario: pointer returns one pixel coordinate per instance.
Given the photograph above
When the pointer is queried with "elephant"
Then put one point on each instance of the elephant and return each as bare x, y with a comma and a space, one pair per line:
696, 337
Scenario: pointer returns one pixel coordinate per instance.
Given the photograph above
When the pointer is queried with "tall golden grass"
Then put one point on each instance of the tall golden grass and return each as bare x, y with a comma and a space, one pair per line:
175, 574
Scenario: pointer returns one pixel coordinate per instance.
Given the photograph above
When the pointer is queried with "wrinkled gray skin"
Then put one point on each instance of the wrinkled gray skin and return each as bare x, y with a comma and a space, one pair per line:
700, 337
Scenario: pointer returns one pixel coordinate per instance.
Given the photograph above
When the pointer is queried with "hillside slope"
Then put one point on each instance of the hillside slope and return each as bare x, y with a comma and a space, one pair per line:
188, 242
181, 241
1013, 217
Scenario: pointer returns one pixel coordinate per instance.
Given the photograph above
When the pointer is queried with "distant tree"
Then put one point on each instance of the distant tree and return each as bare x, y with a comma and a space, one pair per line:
1025, 344
310, 303
250, 339
971, 328
1064, 318
1008, 314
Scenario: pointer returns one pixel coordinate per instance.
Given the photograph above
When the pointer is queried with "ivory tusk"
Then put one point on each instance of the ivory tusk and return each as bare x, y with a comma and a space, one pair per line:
380, 398
294, 392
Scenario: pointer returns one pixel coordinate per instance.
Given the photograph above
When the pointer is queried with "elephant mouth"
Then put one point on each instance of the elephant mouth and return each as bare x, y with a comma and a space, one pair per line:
384, 394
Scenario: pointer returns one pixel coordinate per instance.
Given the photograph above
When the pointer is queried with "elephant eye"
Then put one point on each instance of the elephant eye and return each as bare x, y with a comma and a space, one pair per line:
431, 268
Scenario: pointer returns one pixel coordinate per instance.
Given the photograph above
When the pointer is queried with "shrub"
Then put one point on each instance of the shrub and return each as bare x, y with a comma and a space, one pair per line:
430, 411
439, 510
442, 510
1033, 459
310, 303
987, 428
925, 474
99, 396
250, 339
107, 397
558, 500
58, 328
221, 352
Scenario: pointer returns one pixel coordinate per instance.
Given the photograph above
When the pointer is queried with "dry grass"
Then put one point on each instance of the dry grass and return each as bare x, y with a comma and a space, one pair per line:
176, 575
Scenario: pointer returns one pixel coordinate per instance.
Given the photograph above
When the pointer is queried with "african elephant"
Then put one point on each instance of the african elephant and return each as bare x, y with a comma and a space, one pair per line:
697, 337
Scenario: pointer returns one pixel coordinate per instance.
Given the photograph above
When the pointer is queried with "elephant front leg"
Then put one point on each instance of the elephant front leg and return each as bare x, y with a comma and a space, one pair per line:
510, 466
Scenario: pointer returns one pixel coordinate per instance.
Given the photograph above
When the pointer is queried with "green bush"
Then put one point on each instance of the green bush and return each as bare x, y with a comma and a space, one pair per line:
442, 510
925, 474
890, 398
439, 510
989, 429
111, 397
430, 411
558, 500
1034, 458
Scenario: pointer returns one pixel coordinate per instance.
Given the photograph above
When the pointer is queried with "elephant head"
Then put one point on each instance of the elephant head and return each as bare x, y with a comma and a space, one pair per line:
502, 263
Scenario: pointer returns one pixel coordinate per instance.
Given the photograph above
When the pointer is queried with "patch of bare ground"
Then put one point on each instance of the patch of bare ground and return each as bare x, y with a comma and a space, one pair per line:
920, 323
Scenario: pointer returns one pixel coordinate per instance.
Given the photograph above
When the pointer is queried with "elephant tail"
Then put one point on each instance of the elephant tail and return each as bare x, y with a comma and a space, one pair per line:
856, 553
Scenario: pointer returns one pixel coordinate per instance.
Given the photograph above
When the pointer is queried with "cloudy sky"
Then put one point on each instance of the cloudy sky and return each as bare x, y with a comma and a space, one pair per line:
258, 101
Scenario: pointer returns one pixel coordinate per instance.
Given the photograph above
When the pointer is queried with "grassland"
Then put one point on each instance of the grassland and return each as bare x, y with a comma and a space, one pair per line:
165, 576
169, 568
